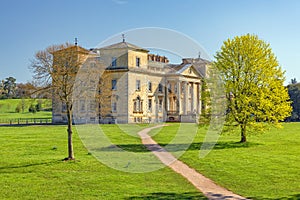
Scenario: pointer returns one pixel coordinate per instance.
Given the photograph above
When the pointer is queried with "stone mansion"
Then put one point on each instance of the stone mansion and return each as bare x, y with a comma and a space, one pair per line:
137, 87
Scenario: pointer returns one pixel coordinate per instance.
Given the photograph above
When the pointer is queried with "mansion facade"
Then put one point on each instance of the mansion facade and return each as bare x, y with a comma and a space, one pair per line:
135, 86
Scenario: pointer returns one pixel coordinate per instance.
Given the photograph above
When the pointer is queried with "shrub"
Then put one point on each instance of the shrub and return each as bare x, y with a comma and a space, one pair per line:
18, 108
32, 108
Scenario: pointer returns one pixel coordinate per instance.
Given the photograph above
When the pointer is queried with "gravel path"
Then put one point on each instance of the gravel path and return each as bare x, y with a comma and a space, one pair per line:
205, 185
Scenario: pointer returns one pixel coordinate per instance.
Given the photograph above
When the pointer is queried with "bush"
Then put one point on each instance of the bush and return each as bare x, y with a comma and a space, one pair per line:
32, 108
38, 106
18, 108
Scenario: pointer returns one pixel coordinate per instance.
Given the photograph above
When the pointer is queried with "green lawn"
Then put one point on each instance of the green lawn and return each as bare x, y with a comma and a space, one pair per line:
267, 167
31, 168
41, 114
9, 105
8, 109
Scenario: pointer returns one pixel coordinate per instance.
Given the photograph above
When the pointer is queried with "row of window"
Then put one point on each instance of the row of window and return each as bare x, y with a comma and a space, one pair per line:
160, 87
137, 85
138, 105
114, 62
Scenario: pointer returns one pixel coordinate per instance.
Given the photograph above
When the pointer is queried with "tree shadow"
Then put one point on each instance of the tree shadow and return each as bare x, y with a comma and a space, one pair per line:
140, 148
222, 145
29, 165
167, 196
289, 197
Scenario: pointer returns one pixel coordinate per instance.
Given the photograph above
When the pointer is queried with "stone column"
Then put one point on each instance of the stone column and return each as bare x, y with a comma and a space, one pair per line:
198, 98
178, 96
192, 97
186, 97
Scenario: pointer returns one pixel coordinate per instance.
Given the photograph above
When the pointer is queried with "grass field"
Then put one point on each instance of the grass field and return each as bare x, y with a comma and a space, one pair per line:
31, 168
267, 167
8, 108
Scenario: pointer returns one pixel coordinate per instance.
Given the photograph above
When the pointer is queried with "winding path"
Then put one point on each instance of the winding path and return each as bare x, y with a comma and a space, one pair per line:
205, 185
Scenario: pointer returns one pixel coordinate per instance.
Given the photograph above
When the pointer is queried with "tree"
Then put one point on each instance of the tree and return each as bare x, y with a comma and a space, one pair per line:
205, 115
253, 82
294, 93
9, 86
25, 90
55, 69
293, 81
2, 92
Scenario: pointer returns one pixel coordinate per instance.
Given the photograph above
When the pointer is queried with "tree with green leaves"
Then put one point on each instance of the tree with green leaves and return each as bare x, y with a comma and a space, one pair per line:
9, 86
253, 82
205, 115
294, 93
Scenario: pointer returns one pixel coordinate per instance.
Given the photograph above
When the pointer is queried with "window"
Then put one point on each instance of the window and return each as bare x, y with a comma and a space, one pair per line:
82, 105
138, 85
149, 86
150, 105
137, 61
92, 105
63, 107
137, 105
113, 61
114, 107
92, 65
169, 87
160, 105
114, 84
160, 88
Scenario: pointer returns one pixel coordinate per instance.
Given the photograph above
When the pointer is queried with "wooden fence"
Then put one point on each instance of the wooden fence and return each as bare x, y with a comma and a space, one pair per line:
25, 121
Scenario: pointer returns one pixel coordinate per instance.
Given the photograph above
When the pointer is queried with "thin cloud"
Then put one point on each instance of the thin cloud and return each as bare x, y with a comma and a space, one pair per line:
120, 2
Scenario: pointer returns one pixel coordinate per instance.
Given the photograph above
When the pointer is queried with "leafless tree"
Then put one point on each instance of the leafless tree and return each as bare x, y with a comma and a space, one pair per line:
55, 69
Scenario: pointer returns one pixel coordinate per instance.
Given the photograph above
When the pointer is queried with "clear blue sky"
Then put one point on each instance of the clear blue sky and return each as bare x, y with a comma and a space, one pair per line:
32, 25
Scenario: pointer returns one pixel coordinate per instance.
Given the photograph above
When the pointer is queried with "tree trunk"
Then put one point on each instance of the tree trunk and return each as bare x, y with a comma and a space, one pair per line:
70, 132
243, 133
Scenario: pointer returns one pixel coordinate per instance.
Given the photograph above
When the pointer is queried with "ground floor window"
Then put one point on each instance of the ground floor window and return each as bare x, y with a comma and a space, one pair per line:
138, 105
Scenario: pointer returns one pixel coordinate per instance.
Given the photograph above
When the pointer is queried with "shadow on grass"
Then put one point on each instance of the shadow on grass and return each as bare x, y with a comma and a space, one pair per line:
140, 148
30, 165
290, 197
167, 196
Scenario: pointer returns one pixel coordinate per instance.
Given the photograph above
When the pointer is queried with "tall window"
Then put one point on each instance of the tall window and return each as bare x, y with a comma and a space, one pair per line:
160, 88
149, 86
137, 105
138, 85
63, 107
160, 105
113, 61
114, 107
169, 87
137, 61
150, 105
114, 84
82, 105
92, 105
